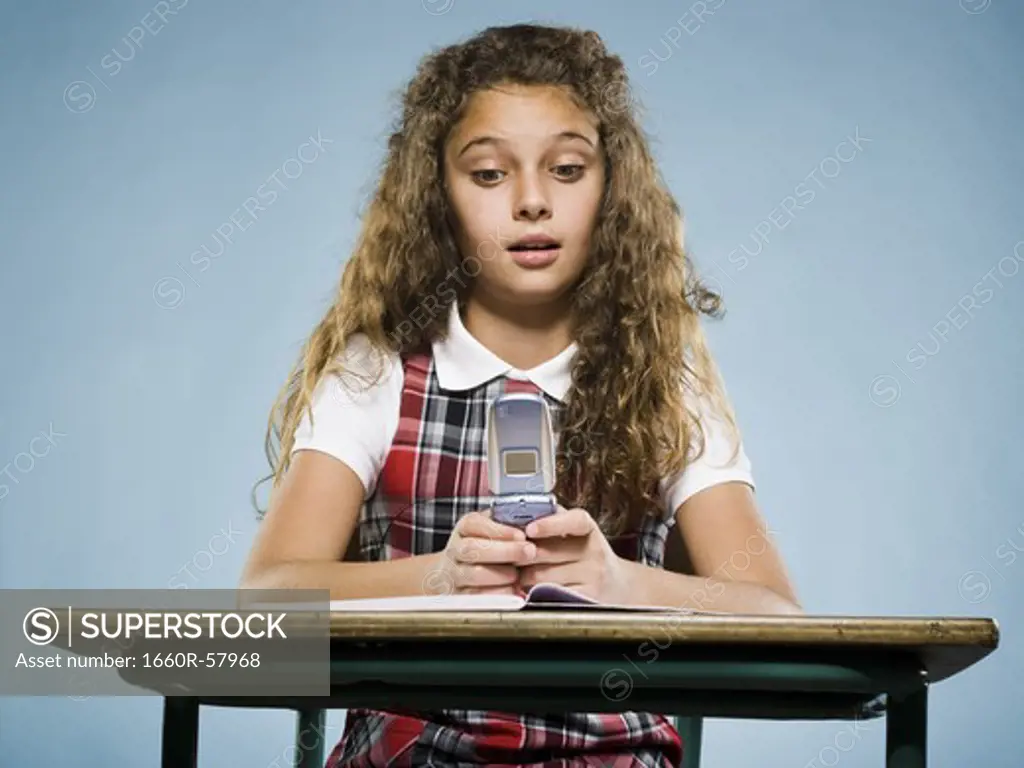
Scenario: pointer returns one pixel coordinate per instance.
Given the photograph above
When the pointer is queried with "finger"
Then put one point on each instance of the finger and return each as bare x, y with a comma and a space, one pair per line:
556, 550
483, 575
565, 522
477, 550
480, 524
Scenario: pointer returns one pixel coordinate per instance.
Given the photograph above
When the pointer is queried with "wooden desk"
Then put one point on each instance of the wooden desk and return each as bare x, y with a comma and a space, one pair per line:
764, 667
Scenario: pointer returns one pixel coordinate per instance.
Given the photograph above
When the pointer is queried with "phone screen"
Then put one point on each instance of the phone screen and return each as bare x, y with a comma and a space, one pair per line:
520, 463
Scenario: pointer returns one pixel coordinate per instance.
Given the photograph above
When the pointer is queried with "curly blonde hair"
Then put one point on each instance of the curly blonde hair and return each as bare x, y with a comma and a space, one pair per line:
636, 308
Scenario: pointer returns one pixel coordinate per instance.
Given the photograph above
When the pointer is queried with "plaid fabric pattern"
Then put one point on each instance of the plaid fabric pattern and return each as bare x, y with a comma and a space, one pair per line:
435, 473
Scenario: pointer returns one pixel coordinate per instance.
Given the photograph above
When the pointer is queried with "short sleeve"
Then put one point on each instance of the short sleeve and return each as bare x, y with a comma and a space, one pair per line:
716, 465
353, 422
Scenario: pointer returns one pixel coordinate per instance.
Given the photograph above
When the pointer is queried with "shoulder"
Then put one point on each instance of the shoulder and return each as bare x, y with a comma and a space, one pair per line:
353, 410
723, 457
361, 376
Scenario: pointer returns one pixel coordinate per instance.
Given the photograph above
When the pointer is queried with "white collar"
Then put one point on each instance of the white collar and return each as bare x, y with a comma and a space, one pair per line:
462, 363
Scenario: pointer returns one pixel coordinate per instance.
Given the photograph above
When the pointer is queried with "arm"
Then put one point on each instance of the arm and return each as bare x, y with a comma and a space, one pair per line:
336, 461
313, 513
739, 569
309, 523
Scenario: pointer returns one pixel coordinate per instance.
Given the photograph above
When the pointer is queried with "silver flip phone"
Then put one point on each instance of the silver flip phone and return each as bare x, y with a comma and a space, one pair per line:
520, 458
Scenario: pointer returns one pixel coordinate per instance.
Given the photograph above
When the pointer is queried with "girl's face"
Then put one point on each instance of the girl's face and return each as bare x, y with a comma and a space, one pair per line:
524, 172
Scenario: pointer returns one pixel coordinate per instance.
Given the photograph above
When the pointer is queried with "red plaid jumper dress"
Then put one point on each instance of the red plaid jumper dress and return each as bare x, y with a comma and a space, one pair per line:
435, 473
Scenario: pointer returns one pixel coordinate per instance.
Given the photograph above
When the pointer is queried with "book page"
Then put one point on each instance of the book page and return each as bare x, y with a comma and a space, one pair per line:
556, 597
418, 603
545, 596
555, 593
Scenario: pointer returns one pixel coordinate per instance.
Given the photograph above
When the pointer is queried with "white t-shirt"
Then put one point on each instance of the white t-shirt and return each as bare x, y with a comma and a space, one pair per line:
356, 425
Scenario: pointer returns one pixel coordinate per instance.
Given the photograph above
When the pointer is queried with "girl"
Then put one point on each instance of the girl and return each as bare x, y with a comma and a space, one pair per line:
520, 239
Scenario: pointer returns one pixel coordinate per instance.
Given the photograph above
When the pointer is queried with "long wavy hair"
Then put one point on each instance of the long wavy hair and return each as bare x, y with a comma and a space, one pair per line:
626, 422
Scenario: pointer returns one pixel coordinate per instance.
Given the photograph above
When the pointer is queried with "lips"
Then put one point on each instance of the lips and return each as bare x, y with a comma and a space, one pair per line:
534, 243
535, 251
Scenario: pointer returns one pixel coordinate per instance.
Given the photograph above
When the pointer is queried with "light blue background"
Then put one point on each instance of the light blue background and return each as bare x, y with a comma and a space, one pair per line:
885, 501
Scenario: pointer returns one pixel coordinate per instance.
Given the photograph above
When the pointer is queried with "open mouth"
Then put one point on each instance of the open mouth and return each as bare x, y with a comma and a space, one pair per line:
534, 245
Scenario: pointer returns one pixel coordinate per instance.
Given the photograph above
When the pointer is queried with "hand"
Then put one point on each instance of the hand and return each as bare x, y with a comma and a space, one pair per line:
481, 557
573, 552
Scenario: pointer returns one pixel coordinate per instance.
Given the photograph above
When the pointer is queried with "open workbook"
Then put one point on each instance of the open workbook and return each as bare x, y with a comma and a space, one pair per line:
539, 597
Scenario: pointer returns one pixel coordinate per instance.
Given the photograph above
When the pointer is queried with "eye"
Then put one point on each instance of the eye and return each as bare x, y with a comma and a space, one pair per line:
568, 171
488, 176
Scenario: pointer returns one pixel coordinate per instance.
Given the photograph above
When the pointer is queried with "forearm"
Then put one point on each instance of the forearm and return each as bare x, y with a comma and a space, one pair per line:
353, 580
656, 586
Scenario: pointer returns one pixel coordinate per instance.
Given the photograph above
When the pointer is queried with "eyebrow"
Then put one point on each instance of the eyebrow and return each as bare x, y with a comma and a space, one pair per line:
479, 140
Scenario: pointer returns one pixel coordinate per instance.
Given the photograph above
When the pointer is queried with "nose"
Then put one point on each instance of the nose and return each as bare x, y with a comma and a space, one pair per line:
531, 203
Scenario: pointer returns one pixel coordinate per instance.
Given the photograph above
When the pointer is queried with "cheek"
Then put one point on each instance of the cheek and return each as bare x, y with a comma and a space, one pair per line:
483, 221
580, 207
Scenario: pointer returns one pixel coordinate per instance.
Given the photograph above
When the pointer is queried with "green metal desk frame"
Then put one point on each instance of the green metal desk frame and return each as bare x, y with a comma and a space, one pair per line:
686, 680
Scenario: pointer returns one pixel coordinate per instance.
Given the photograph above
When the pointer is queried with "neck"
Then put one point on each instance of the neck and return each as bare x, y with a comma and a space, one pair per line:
524, 337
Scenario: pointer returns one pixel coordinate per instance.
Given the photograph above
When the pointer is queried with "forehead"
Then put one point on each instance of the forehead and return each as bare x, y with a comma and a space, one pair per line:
524, 111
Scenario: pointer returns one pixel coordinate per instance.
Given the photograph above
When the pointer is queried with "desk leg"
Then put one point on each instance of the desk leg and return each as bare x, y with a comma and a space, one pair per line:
906, 729
181, 732
690, 729
309, 739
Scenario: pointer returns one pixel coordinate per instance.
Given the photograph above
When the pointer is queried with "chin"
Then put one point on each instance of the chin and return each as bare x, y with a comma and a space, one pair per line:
536, 291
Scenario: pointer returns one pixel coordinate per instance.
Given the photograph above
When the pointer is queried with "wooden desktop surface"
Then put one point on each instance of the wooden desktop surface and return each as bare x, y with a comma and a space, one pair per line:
946, 645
